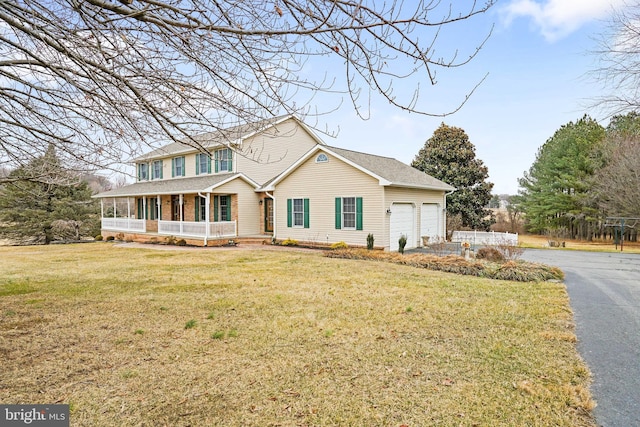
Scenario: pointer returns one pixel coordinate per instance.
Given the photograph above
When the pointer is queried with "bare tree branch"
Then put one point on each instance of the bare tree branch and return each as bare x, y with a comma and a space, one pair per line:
104, 80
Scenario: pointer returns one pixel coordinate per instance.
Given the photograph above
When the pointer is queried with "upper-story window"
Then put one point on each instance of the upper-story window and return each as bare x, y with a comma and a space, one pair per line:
156, 169
177, 166
143, 171
224, 160
322, 158
203, 163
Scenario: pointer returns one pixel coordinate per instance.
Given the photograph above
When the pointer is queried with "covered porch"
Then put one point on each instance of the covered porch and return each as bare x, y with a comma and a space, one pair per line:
131, 215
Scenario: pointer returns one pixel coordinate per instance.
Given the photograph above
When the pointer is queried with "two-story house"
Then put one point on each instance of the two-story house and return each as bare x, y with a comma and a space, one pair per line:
274, 181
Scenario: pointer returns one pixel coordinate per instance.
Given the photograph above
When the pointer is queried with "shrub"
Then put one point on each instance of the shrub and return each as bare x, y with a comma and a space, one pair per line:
98, 238
289, 242
370, 240
509, 250
402, 242
339, 245
490, 254
120, 236
511, 270
109, 238
170, 240
181, 242
153, 240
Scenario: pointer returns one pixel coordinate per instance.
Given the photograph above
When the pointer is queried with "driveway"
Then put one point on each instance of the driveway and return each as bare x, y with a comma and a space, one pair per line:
604, 290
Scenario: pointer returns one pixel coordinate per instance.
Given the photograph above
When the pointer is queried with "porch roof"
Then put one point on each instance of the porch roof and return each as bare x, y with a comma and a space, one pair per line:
198, 184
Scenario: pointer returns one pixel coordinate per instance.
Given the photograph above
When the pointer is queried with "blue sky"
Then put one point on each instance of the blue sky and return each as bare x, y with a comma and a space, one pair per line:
537, 60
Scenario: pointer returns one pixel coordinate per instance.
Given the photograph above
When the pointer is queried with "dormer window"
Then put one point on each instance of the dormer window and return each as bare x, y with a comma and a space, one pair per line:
322, 158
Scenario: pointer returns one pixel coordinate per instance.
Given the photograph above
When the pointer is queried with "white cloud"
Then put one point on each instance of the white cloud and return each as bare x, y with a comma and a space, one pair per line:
558, 18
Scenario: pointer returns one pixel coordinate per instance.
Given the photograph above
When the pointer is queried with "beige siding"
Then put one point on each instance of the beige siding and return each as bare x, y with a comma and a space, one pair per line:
248, 207
270, 153
321, 183
416, 197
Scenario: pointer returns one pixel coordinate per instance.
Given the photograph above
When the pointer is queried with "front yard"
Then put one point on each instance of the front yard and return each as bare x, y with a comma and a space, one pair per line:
267, 337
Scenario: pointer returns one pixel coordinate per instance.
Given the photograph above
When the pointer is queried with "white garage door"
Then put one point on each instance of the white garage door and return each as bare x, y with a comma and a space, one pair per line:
429, 221
402, 222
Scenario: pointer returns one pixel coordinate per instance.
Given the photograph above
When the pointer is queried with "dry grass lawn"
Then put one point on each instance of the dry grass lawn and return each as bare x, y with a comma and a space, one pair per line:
536, 241
265, 337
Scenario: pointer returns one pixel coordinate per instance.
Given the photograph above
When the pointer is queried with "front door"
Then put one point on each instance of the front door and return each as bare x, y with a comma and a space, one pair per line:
268, 215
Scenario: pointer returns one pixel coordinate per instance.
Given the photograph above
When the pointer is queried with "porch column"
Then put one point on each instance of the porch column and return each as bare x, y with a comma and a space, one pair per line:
207, 212
128, 213
101, 208
181, 203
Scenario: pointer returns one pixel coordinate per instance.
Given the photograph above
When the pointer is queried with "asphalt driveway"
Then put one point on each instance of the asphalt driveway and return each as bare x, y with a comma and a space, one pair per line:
604, 290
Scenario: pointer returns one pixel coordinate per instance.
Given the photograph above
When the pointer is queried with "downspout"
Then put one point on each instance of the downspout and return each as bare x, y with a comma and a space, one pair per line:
273, 238
206, 217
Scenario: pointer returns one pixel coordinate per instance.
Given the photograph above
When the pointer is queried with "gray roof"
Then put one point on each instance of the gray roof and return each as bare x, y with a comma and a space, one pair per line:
212, 139
394, 171
170, 186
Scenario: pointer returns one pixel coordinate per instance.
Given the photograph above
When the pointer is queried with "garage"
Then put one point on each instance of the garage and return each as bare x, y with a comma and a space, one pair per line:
402, 222
429, 221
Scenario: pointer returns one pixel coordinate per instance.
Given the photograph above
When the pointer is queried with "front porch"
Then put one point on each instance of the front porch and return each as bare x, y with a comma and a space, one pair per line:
203, 230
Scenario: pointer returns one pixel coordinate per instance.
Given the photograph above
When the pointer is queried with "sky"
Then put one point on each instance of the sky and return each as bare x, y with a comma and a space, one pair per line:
536, 61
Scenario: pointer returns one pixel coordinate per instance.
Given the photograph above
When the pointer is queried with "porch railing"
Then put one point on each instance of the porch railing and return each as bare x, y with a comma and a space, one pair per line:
197, 229
124, 224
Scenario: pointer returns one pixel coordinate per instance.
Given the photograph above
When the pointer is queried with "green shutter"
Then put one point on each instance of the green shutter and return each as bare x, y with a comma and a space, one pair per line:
229, 208
358, 213
198, 163
146, 209
139, 174
197, 207
289, 213
208, 163
216, 161
173, 167
184, 166
215, 208
229, 160
139, 216
161, 169
338, 213
306, 213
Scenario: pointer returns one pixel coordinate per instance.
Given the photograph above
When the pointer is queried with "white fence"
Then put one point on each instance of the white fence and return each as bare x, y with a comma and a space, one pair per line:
486, 238
124, 224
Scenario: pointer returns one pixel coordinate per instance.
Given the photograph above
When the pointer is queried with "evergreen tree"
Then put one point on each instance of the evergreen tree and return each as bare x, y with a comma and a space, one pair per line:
555, 192
450, 157
35, 204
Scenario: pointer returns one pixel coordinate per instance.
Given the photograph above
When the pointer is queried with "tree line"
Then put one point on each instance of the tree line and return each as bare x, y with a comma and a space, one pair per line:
582, 175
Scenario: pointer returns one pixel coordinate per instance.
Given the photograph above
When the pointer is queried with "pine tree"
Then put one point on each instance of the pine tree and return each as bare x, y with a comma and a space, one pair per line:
556, 191
40, 198
450, 157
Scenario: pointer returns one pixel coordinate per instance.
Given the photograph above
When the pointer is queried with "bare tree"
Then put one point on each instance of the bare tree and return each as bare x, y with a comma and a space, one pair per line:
617, 184
103, 79
619, 61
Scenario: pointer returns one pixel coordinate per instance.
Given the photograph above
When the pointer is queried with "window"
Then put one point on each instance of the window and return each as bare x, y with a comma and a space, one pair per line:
203, 163
143, 209
153, 208
322, 158
348, 213
156, 171
177, 166
222, 208
298, 213
143, 172
201, 208
224, 160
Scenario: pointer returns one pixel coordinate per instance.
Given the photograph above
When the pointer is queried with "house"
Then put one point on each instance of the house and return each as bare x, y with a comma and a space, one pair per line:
273, 181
